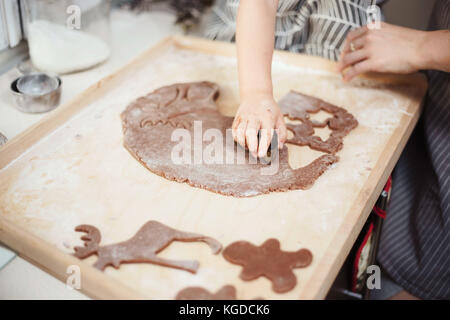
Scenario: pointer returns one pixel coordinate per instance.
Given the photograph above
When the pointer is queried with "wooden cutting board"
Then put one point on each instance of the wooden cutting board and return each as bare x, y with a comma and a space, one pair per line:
71, 169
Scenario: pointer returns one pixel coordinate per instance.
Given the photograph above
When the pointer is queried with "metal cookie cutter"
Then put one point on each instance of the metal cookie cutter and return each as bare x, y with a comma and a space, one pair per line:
272, 151
36, 92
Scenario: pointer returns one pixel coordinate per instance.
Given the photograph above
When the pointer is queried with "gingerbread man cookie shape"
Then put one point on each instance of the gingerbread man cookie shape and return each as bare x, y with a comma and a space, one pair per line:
197, 293
144, 246
268, 260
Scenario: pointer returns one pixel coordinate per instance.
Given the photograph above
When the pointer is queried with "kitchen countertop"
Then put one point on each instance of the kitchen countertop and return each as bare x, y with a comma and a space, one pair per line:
131, 34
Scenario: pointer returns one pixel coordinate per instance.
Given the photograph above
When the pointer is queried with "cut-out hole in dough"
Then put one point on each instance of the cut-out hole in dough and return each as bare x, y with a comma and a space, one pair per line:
300, 156
290, 134
287, 120
323, 133
320, 116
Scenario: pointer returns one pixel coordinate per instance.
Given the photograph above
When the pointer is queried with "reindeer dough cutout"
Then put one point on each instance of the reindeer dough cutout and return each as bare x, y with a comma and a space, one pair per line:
151, 239
268, 260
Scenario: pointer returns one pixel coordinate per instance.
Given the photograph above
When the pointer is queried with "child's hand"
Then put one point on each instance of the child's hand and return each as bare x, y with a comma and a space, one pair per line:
258, 112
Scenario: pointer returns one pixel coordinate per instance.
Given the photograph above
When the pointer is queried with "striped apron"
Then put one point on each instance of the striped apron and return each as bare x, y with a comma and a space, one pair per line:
415, 241
314, 27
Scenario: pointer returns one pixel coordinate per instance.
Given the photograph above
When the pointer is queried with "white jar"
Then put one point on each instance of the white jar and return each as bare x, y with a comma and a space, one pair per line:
67, 36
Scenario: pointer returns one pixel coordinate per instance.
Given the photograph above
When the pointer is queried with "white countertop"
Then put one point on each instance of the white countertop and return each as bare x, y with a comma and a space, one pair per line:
131, 35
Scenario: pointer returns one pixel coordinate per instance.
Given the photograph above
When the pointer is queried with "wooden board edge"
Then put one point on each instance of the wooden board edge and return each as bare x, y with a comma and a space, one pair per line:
94, 283
318, 285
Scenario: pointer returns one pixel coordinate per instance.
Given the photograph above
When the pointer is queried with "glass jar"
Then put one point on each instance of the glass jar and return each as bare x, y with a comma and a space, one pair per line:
67, 35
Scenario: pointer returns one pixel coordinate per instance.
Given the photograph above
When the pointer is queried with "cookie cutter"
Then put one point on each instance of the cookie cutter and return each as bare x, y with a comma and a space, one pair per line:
36, 92
272, 151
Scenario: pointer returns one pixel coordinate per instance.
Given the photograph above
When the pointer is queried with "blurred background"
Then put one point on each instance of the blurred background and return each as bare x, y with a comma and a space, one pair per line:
409, 13
188, 14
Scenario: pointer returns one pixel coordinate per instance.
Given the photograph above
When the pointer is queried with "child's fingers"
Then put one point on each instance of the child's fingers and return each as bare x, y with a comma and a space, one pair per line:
264, 139
282, 132
234, 126
251, 136
240, 133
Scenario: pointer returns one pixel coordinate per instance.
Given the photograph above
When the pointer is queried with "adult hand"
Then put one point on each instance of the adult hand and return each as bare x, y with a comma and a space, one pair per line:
390, 49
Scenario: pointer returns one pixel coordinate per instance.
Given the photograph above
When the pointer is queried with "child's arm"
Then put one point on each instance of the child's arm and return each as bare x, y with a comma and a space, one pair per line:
255, 35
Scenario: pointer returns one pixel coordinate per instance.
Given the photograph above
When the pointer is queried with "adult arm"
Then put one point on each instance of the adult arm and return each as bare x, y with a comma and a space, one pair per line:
394, 49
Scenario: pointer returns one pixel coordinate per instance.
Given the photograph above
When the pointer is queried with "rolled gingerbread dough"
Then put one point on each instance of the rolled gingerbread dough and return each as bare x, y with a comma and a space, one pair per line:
149, 122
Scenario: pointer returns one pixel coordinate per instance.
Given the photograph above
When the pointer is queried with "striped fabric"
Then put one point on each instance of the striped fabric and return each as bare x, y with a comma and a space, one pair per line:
315, 27
415, 242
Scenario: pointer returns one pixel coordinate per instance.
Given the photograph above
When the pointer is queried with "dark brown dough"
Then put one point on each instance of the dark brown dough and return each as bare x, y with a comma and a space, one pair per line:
148, 124
268, 260
297, 106
151, 239
198, 293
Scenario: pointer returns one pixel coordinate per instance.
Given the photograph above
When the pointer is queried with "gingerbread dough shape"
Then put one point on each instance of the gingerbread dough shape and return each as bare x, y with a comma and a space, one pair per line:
197, 293
151, 239
227, 292
299, 107
148, 124
268, 260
